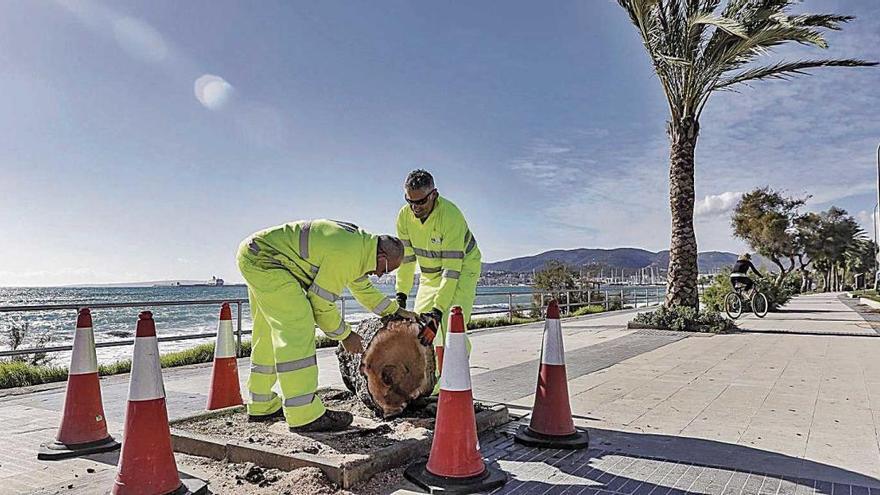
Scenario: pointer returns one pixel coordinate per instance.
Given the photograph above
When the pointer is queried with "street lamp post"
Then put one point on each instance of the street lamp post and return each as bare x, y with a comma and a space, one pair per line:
876, 219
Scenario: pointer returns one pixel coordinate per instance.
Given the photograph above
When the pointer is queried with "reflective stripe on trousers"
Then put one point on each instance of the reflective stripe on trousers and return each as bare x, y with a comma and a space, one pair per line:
283, 348
299, 401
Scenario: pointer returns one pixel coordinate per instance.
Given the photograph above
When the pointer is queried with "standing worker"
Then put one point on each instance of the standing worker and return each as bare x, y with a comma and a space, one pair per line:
295, 273
435, 233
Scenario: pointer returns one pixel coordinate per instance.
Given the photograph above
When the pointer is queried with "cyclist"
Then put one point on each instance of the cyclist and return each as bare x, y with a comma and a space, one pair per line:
739, 275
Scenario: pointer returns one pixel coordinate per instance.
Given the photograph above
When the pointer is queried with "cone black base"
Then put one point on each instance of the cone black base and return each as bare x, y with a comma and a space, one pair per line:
191, 486
491, 479
54, 451
576, 441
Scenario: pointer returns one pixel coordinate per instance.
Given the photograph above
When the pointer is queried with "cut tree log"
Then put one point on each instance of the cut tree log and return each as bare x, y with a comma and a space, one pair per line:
394, 370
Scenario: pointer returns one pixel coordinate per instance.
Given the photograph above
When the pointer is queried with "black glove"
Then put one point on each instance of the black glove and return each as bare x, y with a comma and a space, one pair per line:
401, 300
435, 314
430, 322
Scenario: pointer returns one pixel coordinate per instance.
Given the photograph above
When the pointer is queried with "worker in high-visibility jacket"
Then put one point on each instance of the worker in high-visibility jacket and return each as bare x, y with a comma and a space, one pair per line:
295, 273
436, 235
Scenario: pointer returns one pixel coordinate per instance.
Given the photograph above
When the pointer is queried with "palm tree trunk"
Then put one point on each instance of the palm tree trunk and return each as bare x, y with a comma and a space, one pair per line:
681, 282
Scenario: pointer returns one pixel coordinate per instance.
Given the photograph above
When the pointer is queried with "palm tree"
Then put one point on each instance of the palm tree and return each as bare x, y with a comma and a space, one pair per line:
698, 47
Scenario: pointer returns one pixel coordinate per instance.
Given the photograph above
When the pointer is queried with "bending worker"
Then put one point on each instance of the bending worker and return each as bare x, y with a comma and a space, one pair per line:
295, 273
436, 235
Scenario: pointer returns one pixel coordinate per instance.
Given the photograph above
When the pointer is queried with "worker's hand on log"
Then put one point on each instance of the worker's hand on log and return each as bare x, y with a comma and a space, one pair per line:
407, 315
353, 344
430, 322
435, 314
427, 333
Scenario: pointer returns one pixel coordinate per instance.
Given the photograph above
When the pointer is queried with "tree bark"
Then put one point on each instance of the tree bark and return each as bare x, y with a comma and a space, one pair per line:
394, 369
681, 282
805, 276
781, 276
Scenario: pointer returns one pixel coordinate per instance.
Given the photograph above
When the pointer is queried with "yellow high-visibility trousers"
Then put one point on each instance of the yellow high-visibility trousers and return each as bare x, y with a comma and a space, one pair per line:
465, 293
282, 344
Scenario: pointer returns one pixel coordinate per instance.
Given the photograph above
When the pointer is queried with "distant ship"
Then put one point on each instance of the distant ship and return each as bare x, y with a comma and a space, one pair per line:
214, 282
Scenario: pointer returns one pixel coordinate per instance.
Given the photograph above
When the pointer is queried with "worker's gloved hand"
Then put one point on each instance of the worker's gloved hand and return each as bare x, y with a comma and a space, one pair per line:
401, 300
435, 314
430, 322
353, 344
427, 332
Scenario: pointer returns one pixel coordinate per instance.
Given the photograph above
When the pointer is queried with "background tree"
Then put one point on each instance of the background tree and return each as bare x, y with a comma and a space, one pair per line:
837, 234
810, 244
698, 47
860, 262
555, 277
565, 284
765, 219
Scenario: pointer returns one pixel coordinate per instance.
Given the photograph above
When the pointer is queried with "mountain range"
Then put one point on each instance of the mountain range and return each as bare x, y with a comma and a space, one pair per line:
618, 258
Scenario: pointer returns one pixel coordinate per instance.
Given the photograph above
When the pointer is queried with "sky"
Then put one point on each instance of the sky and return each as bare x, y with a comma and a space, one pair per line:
143, 140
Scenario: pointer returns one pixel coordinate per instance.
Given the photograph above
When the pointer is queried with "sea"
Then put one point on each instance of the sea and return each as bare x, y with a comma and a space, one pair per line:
118, 324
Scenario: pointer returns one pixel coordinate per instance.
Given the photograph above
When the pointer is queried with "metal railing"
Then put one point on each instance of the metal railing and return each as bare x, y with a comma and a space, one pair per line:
568, 301
139, 304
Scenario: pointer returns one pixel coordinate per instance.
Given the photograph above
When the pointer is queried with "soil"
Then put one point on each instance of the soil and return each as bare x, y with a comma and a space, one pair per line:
368, 433
248, 479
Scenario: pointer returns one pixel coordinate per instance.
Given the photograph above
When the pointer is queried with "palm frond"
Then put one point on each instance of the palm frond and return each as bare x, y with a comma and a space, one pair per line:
827, 21
786, 70
726, 24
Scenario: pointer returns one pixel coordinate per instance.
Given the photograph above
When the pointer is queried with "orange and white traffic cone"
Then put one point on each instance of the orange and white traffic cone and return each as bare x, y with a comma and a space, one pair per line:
551, 425
225, 389
83, 427
146, 464
455, 464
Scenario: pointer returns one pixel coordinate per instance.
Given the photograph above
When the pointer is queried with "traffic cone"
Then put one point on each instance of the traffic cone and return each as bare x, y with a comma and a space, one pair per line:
551, 425
225, 389
146, 464
455, 464
83, 427
439, 353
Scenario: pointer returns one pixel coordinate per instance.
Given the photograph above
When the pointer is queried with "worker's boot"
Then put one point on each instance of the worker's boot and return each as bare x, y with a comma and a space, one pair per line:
264, 418
330, 421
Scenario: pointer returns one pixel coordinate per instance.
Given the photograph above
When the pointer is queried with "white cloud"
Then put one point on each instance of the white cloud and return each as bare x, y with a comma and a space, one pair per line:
212, 91
866, 220
139, 39
715, 205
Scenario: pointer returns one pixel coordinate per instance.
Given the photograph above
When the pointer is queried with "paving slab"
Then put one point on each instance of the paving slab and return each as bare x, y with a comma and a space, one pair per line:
822, 314
610, 467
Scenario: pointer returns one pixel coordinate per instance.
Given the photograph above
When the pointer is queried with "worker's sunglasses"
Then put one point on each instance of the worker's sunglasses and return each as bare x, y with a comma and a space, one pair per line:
420, 202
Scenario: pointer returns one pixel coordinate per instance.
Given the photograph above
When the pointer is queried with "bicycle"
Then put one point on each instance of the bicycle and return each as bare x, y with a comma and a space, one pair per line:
736, 299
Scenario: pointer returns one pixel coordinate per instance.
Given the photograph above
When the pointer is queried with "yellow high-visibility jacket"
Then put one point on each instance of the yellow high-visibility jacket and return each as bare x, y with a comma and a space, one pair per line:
444, 248
325, 257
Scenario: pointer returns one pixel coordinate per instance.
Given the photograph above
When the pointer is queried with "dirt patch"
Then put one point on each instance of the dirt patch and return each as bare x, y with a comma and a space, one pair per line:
368, 433
248, 479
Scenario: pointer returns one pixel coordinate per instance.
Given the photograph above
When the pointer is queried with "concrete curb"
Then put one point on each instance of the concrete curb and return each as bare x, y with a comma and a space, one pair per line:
869, 302
344, 472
